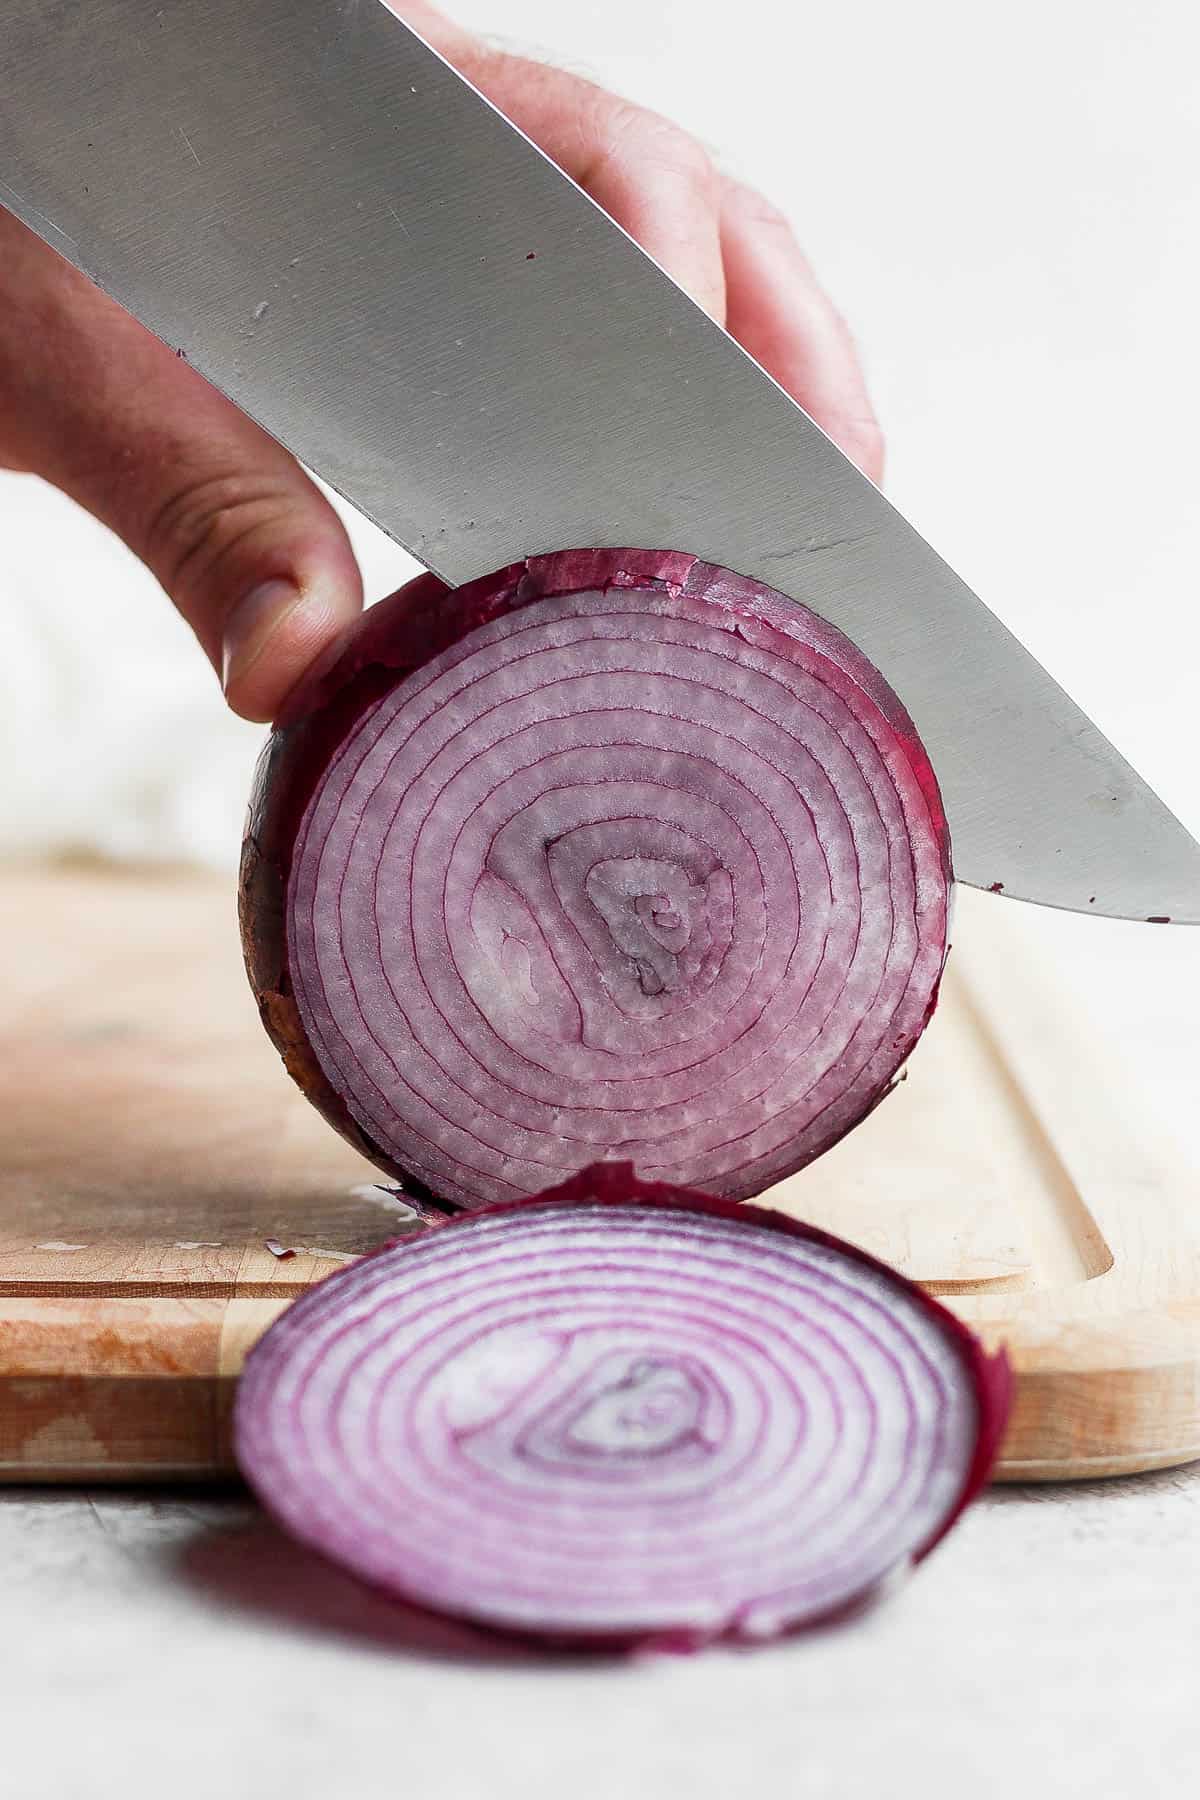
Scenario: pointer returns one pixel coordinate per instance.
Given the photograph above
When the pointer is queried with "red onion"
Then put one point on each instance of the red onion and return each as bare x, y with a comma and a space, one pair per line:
621, 1412
611, 854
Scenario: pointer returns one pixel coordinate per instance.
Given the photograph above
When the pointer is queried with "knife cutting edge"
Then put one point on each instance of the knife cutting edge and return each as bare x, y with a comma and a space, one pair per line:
336, 228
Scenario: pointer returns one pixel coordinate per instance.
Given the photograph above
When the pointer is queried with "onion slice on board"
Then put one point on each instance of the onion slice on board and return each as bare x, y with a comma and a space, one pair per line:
621, 1412
611, 854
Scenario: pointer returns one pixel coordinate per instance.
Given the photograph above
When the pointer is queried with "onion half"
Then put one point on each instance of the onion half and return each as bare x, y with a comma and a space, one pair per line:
620, 1412
611, 854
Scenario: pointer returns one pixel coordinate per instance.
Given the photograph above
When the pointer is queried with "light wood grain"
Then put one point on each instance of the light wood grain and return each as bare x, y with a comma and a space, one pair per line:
152, 1151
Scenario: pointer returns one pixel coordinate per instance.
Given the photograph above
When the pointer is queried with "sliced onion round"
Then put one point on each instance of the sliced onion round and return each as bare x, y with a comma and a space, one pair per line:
612, 854
621, 1412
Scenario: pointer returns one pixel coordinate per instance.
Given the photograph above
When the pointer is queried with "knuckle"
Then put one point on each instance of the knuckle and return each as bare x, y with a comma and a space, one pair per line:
756, 209
206, 523
651, 140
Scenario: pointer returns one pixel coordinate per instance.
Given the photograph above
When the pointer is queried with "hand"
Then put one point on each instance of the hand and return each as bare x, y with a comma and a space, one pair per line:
248, 549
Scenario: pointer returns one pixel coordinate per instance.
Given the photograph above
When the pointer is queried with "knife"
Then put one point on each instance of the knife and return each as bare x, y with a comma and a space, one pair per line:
350, 242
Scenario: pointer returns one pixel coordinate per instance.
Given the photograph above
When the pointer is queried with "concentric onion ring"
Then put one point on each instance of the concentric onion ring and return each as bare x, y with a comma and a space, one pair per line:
613, 854
620, 1411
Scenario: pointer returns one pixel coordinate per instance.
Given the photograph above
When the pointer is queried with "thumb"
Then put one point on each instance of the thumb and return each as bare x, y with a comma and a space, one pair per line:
242, 540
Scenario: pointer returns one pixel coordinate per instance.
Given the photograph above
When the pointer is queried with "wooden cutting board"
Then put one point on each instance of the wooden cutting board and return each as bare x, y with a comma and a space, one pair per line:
155, 1161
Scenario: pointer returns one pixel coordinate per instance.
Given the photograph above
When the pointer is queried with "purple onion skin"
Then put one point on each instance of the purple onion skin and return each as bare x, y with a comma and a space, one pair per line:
986, 1377
364, 663
392, 641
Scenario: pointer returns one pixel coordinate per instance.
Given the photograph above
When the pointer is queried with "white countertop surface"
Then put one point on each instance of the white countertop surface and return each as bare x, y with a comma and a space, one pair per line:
1003, 203
181, 1647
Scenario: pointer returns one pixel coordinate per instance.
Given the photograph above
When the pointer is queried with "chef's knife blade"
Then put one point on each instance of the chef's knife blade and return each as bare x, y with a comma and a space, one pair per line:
347, 240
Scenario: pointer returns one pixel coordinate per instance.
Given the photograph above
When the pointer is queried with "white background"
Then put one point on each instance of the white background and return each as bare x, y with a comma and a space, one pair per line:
1002, 199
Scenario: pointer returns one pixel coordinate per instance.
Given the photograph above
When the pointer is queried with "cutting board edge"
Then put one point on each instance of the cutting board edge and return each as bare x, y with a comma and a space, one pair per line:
1083, 1421
1104, 1468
